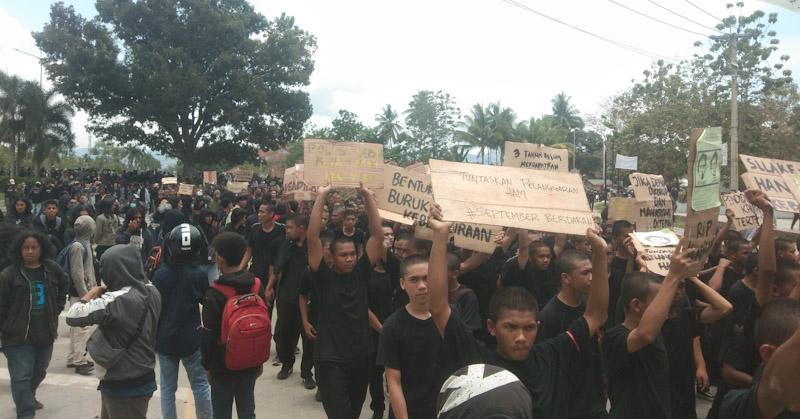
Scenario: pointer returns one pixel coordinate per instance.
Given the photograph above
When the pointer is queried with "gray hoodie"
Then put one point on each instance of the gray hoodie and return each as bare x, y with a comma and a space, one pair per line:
118, 312
82, 269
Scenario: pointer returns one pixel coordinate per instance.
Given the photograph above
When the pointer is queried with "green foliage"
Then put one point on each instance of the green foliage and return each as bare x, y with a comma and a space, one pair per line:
107, 155
431, 119
193, 79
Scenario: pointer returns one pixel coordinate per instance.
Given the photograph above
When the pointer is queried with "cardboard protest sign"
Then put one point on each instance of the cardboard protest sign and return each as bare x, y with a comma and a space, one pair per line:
620, 208
243, 176
794, 184
650, 188
776, 187
658, 246
405, 192
476, 237
343, 163
505, 196
745, 215
398, 218
169, 187
535, 156
237, 186
169, 181
186, 189
210, 176
294, 184
644, 215
706, 156
419, 167
659, 258
701, 229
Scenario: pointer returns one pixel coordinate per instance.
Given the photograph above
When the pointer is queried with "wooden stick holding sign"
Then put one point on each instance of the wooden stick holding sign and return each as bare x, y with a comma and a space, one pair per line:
512, 197
341, 163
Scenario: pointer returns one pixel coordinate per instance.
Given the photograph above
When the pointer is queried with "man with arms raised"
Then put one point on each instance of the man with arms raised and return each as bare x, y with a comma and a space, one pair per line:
344, 348
546, 369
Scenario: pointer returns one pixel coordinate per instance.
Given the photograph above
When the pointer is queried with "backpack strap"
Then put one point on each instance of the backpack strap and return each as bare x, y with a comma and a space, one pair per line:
256, 286
226, 290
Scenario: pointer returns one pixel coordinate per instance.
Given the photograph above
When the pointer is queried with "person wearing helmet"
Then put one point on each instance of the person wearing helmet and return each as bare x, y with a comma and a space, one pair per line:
182, 284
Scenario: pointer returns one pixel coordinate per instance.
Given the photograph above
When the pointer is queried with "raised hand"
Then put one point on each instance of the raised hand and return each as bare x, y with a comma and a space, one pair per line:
435, 221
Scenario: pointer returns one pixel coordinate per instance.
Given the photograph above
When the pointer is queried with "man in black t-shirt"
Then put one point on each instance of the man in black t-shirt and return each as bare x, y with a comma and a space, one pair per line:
343, 349
587, 398
350, 230
408, 348
262, 245
546, 369
636, 358
776, 386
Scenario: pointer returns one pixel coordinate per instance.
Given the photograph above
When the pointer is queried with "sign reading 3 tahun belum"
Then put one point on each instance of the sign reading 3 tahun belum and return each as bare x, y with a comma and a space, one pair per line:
340, 163
513, 197
535, 156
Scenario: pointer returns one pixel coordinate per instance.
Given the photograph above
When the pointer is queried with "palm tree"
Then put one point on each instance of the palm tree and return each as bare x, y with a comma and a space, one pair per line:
48, 129
564, 114
502, 120
478, 131
11, 121
388, 125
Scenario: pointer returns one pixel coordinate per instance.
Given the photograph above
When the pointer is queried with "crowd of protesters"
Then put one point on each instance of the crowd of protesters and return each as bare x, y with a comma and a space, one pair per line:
546, 326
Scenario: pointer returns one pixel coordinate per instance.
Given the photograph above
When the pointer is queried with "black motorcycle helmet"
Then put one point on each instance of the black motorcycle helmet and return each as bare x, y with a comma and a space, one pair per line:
186, 244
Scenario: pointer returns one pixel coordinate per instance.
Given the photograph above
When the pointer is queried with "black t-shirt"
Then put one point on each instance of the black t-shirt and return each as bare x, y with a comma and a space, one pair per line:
411, 346
290, 262
380, 294
307, 290
738, 347
265, 246
743, 404
587, 397
358, 236
547, 373
38, 312
616, 274
729, 277
464, 302
638, 383
679, 332
542, 284
343, 331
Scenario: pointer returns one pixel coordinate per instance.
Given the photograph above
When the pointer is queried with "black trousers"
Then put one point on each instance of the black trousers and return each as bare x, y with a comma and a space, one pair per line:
343, 387
288, 330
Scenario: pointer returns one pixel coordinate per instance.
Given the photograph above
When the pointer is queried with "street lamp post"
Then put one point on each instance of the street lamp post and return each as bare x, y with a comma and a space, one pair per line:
41, 65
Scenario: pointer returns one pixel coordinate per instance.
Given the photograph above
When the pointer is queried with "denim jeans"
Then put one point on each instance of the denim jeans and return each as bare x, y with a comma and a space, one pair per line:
168, 367
27, 367
224, 392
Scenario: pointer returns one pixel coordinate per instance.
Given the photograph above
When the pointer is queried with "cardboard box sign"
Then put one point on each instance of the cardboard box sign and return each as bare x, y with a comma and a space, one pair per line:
343, 163
210, 176
186, 189
774, 177
295, 186
745, 215
535, 156
407, 193
512, 197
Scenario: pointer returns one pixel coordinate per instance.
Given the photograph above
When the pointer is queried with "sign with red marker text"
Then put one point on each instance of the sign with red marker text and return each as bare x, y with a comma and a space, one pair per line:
340, 163
514, 197
535, 156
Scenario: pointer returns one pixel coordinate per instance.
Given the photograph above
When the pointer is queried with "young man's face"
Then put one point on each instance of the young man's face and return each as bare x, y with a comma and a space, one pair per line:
790, 254
294, 231
404, 249
324, 218
51, 211
350, 222
19, 207
415, 283
31, 251
540, 256
584, 247
621, 237
580, 279
336, 217
264, 215
388, 237
344, 257
515, 332
739, 256
641, 305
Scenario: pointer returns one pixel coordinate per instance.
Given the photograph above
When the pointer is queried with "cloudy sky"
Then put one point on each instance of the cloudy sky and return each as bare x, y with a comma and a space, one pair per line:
374, 52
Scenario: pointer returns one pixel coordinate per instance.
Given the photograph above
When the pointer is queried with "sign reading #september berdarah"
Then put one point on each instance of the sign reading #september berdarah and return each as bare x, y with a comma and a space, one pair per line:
505, 196
341, 163
535, 156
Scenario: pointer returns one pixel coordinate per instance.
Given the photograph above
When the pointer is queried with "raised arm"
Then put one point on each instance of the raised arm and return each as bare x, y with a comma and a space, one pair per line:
374, 247
523, 251
767, 265
560, 244
596, 312
780, 385
718, 306
656, 313
315, 251
437, 270
721, 233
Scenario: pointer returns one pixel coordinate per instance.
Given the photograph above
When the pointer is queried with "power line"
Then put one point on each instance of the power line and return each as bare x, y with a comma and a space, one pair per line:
703, 10
648, 54
684, 17
657, 20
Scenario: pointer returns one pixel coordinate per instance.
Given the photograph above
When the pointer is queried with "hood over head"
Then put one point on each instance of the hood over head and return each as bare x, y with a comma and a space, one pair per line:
84, 228
171, 219
121, 266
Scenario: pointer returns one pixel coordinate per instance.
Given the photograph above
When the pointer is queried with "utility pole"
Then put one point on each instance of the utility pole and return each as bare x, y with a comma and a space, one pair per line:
41, 65
734, 158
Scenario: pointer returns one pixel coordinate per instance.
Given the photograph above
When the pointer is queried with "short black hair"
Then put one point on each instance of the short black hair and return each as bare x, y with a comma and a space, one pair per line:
340, 239
453, 262
736, 244
231, 247
751, 263
50, 202
298, 220
568, 260
349, 212
270, 208
410, 261
783, 245
619, 227
237, 215
785, 272
512, 298
777, 321
326, 237
636, 285
423, 246
15, 249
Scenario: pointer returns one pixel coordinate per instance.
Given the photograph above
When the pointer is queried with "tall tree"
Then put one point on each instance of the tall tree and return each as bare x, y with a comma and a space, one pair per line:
389, 127
347, 127
430, 120
477, 131
12, 125
47, 121
192, 79
564, 114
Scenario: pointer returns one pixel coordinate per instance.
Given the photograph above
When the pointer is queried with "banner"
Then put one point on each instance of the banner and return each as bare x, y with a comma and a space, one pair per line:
627, 162
210, 176
707, 159
505, 196
659, 246
767, 175
340, 163
535, 156
745, 214
294, 184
